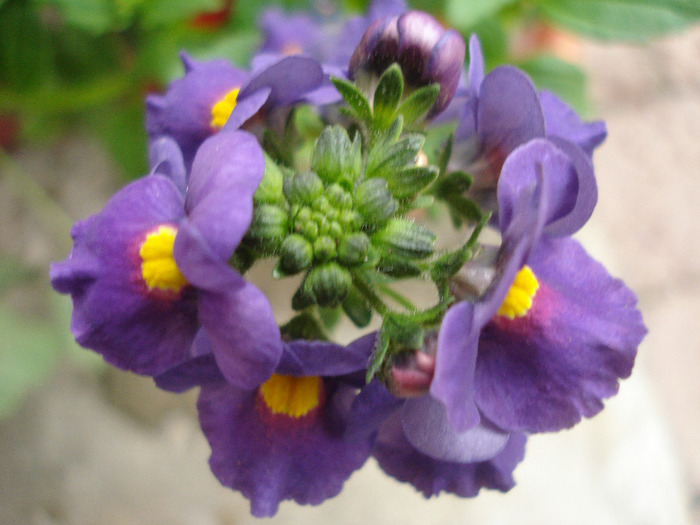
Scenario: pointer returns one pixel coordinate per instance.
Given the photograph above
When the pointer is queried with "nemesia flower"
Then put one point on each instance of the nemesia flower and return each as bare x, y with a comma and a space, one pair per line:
503, 111
416, 444
425, 51
285, 438
552, 334
151, 270
215, 94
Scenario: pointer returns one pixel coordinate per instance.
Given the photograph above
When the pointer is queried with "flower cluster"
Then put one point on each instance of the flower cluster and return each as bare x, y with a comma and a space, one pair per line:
316, 158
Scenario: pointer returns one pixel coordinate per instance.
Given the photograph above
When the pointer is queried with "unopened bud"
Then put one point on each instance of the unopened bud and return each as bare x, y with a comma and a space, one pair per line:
374, 201
328, 284
404, 238
303, 187
353, 249
268, 227
296, 254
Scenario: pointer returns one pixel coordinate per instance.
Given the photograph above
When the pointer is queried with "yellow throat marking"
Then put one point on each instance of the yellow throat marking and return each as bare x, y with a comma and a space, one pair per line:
290, 395
221, 111
158, 267
518, 301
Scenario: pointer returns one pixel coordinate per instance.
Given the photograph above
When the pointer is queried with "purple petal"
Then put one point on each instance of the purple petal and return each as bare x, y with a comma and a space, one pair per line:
541, 158
274, 458
546, 370
454, 370
562, 121
246, 108
289, 79
398, 458
426, 427
197, 371
113, 311
225, 175
313, 358
184, 111
165, 158
508, 115
586, 196
475, 75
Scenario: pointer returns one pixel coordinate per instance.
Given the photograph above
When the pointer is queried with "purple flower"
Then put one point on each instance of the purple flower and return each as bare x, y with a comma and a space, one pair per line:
215, 94
151, 270
552, 334
426, 52
286, 438
503, 111
416, 444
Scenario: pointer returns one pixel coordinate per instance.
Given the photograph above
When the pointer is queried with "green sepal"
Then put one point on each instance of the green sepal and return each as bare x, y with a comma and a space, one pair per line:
449, 264
403, 331
335, 156
242, 259
398, 267
301, 300
329, 317
409, 181
379, 354
456, 182
303, 326
418, 103
387, 96
404, 238
270, 189
356, 308
463, 208
356, 100
384, 162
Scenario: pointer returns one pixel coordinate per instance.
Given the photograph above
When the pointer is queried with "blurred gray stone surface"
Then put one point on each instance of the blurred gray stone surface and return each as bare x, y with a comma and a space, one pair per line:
75, 456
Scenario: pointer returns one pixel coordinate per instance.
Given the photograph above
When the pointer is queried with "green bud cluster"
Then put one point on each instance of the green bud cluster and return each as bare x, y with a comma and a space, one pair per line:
344, 214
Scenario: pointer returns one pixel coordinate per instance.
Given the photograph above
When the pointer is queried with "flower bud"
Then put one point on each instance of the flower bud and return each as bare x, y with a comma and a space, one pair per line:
303, 187
324, 249
353, 249
268, 227
374, 201
426, 52
404, 238
328, 284
296, 254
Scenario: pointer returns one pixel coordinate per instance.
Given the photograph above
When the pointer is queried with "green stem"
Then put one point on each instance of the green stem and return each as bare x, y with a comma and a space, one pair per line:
396, 296
366, 290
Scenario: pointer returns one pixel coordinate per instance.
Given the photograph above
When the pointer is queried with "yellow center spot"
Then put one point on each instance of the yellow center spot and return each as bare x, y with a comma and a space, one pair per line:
519, 299
158, 267
290, 395
221, 111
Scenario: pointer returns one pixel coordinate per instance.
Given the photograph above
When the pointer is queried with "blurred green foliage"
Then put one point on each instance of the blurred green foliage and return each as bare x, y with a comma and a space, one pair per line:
88, 64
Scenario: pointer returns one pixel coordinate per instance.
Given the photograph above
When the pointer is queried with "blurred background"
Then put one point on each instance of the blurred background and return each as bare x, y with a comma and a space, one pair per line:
82, 443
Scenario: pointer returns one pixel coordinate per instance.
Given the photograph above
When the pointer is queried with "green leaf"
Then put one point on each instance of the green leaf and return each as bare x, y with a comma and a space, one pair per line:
465, 13
354, 98
387, 97
94, 16
163, 12
25, 48
28, 353
418, 103
632, 20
